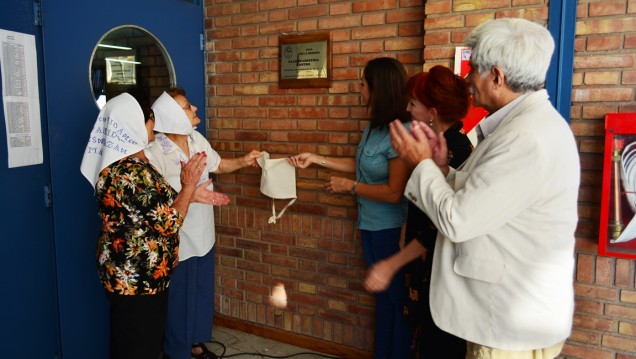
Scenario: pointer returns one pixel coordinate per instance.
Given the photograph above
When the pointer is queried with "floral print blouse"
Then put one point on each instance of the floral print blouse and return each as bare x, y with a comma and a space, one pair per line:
139, 240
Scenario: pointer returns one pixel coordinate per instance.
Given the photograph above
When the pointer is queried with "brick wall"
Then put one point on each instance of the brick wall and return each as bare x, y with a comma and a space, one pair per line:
604, 81
314, 250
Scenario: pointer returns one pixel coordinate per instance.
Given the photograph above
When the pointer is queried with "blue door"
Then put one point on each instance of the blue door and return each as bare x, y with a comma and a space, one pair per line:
71, 30
28, 304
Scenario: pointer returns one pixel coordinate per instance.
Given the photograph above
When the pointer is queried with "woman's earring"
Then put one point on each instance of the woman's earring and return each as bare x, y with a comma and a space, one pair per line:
430, 122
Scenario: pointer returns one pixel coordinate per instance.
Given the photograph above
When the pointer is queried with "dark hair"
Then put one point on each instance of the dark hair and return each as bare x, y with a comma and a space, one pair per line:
143, 98
441, 89
386, 78
175, 91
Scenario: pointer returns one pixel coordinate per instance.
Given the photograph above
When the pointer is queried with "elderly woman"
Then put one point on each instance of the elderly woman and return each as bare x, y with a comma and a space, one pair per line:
191, 298
140, 219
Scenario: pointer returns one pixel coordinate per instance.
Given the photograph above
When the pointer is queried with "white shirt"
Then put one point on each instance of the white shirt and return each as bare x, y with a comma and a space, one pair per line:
197, 234
488, 125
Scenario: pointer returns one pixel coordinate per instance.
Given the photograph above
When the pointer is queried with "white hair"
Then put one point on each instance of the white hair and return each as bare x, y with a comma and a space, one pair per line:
521, 48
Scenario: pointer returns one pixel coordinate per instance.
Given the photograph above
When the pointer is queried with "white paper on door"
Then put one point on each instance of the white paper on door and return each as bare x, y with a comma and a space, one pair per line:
20, 97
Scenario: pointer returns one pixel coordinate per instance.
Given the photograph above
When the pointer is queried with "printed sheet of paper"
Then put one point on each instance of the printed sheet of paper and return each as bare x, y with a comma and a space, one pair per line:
21, 100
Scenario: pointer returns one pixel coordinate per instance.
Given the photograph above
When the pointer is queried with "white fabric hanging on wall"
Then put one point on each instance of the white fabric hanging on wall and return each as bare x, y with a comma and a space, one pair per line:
278, 181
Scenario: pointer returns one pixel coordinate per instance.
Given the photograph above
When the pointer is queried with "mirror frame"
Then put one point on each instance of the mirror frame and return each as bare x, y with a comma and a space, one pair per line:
172, 77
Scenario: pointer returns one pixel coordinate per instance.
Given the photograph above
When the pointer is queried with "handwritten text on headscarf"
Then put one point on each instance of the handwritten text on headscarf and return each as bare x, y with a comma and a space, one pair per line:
111, 137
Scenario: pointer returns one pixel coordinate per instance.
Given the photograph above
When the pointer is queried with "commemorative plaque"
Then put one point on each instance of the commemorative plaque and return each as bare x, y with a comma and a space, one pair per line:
305, 61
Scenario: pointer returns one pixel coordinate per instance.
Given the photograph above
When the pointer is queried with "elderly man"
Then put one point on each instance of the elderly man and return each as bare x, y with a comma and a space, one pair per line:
504, 256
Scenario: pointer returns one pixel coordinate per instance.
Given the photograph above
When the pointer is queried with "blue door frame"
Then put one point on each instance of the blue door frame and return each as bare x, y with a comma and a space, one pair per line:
562, 24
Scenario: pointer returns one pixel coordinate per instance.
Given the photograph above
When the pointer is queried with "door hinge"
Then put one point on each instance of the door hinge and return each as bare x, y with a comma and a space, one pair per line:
201, 42
48, 196
37, 13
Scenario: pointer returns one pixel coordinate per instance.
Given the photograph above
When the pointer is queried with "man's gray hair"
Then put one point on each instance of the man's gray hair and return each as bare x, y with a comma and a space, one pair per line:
521, 48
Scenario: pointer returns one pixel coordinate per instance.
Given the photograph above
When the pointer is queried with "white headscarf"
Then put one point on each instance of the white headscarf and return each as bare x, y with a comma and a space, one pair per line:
170, 117
119, 131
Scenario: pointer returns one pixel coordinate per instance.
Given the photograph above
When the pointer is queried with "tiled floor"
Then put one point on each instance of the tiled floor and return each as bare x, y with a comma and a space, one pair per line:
242, 345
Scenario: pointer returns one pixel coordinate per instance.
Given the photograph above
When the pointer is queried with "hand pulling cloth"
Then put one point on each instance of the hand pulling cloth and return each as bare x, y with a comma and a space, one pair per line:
278, 181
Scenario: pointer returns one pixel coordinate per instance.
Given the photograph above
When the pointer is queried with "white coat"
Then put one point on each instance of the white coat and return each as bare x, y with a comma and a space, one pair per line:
504, 256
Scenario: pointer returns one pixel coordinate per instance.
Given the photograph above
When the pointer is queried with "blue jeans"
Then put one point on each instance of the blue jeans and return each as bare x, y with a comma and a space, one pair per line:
392, 331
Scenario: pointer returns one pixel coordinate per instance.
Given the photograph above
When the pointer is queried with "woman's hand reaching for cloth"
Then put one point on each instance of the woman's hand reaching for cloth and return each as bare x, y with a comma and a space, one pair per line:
306, 159
234, 164
250, 158
302, 160
204, 195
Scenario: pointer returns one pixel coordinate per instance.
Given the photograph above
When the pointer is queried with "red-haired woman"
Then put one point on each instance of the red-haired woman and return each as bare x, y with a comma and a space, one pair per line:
440, 99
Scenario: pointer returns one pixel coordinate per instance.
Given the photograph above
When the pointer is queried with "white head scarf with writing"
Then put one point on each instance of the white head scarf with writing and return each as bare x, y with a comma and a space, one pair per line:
170, 117
119, 132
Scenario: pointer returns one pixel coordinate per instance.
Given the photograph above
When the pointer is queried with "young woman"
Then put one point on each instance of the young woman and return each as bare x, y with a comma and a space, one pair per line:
379, 186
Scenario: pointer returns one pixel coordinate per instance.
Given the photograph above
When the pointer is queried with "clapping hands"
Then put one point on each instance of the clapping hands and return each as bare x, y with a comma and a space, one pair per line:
204, 195
421, 144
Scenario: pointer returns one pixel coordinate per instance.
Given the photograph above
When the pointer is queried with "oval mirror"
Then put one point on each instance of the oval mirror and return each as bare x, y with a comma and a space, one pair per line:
130, 59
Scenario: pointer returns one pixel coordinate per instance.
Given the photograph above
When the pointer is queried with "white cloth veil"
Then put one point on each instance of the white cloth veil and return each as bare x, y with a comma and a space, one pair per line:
278, 181
119, 131
170, 117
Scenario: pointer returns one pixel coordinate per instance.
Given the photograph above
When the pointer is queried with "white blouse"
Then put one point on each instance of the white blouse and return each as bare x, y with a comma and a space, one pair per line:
197, 234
